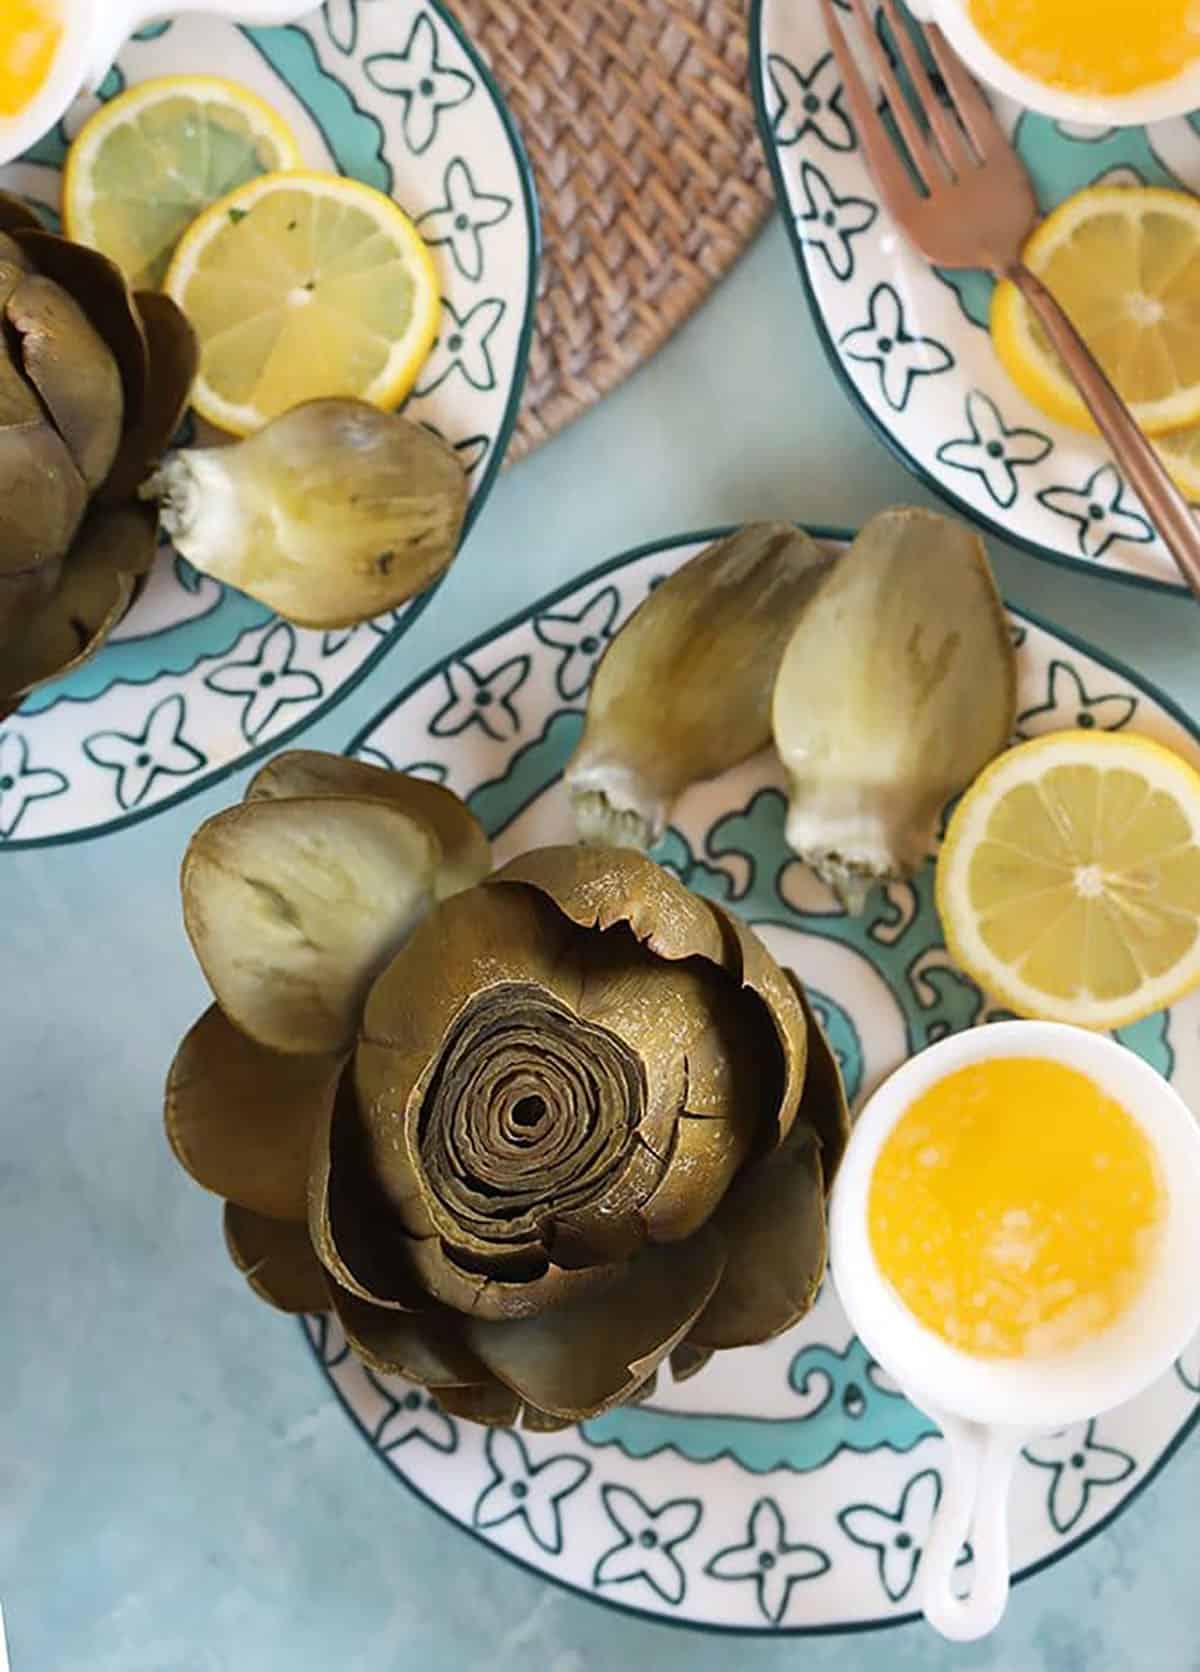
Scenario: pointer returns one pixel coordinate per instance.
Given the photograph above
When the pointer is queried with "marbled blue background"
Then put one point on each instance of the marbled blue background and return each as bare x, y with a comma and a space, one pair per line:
179, 1492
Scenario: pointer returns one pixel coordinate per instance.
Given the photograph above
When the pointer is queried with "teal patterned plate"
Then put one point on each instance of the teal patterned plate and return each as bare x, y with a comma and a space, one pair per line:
910, 343
788, 1487
199, 679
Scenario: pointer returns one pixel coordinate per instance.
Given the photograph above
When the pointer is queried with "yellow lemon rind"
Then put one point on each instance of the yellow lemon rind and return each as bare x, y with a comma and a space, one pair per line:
1162, 767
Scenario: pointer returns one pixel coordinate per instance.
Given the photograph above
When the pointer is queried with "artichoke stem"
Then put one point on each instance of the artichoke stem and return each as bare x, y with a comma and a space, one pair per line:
197, 509
603, 822
851, 845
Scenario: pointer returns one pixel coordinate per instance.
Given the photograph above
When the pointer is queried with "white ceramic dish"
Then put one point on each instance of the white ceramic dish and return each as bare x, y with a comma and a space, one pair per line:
198, 679
1157, 103
910, 342
989, 1409
788, 1487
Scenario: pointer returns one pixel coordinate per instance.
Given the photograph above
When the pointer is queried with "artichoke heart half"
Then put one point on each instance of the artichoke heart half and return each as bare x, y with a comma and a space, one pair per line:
684, 690
897, 687
331, 514
574, 1124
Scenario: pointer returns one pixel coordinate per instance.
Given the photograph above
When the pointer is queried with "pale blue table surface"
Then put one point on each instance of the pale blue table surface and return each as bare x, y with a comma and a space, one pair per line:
179, 1491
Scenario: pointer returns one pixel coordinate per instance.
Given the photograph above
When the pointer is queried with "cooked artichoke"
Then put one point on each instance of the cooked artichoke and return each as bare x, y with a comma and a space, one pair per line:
332, 514
93, 383
684, 690
579, 1123
897, 687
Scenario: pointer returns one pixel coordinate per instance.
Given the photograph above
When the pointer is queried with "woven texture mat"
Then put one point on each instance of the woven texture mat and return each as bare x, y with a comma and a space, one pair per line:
638, 119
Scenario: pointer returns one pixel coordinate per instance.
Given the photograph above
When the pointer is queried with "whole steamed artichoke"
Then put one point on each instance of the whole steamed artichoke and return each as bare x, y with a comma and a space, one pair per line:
93, 384
529, 1136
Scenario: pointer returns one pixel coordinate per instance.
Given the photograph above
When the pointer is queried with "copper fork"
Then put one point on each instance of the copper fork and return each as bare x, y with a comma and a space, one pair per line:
963, 198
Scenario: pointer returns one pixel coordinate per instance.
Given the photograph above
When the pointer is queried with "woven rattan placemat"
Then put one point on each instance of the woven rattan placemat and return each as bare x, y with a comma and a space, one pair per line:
638, 120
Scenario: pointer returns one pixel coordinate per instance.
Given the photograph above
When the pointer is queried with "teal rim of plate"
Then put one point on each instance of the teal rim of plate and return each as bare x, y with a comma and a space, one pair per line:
479, 498
668, 1622
1062, 560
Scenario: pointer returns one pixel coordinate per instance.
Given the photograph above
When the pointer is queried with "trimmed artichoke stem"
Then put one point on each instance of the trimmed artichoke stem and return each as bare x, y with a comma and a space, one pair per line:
604, 816
197, 505
851, 841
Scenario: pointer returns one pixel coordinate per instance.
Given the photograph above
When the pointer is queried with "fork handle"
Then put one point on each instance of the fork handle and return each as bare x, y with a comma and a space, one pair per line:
1168, 510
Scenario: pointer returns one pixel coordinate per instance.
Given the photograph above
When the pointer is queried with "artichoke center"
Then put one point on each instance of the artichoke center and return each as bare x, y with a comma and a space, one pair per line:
531, 1111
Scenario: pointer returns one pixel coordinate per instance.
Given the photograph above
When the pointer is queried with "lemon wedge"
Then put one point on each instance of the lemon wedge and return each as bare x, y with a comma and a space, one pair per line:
1124, 261
1069, 879
301, 286
151, 160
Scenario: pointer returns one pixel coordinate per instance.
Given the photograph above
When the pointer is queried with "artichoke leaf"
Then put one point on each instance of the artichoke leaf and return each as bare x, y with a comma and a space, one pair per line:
276, 1259
93, 593
331, 514
897, 687
466, 851
492, 1404
241, 1119
428, 1348
534, 1421
762, 977
597, 888
823, 1105
688, 1361
99, 287
595, 1350
173, 357
772, 1225
16, 215
541, 1288
42, 496
684, 690
293, 907
73, 371
23, 593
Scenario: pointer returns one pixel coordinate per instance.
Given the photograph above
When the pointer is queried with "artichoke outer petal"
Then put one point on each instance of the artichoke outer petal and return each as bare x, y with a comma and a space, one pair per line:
293, 907
16, 215
823, 1105
490, 1404
594, 1351
688, 1361
98, 286
772, 1225
276, 1259
43, 497
466, 852
241, 1118
94, 589
73, 370
173, 358
428, 1348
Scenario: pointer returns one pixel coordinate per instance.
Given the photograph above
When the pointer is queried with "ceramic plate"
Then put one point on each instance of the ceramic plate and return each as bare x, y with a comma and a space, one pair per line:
788, 1487
911, 343
200, 679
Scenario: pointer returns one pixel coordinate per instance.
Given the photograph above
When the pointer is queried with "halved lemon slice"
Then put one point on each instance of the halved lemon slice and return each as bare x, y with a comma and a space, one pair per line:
1069, 880
303, 285
150, 161
1124, 261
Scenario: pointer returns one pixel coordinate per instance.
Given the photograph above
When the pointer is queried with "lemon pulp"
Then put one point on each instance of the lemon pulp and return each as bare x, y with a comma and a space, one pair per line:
1105, 47
28, 42
1016, 1208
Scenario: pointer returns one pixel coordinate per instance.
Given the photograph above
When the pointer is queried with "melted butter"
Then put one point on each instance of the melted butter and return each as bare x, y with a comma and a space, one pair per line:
1016, 1208
1105, 47
29, 39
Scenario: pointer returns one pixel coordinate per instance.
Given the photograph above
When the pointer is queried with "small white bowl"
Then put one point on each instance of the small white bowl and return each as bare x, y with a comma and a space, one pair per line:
989, 1408
93, 33
1156, 103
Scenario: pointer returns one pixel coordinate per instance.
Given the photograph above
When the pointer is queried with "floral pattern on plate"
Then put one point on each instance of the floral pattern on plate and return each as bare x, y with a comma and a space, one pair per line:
199, 679
786, 1487
910, 342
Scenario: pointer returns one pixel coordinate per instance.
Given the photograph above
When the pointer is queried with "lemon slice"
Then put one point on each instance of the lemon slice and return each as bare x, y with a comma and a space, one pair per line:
150, 161
1124, 261
1069, 880
1180, 452
303, 285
